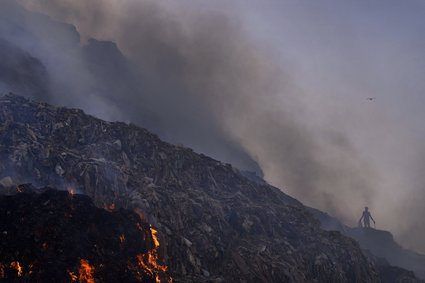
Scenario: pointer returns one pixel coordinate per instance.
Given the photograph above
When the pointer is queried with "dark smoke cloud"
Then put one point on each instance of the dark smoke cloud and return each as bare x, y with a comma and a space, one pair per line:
200, 80
215, 89
169, 84
195, 74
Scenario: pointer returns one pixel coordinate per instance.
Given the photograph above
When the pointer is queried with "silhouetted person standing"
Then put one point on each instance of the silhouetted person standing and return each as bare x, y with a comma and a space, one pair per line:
366, 216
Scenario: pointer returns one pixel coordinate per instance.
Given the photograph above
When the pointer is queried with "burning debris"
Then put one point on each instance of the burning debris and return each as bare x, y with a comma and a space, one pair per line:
212, 224
86, 272
152, 260
49, 237
15, 265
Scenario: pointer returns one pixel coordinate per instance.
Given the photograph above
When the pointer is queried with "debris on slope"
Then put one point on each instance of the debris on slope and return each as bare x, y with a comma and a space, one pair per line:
380, 246
214, 224
393, 274
54, 236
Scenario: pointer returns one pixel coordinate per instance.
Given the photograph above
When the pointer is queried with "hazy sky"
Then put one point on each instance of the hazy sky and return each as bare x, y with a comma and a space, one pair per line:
341, 52
302, 73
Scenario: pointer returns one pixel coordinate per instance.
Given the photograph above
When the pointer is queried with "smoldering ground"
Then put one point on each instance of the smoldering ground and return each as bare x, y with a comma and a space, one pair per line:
195, 74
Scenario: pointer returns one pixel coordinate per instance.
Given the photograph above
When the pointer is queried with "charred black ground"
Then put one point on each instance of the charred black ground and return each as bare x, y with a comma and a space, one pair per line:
54, 236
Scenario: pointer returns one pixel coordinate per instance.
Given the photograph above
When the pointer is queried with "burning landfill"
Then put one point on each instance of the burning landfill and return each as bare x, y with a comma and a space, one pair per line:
133, 208
52, 236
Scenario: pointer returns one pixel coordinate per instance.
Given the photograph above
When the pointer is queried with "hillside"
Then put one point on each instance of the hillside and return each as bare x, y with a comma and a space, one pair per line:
214, 224
382, 244
378, 244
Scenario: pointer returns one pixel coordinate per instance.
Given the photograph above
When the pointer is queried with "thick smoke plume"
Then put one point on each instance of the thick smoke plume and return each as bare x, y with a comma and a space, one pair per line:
201, 75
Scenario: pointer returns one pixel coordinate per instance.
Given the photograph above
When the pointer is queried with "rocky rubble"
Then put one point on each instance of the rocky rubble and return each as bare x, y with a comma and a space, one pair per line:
215, 225
382, 244
380, 247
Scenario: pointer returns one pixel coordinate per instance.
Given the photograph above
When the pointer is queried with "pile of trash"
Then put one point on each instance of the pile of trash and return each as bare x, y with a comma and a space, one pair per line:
213, 223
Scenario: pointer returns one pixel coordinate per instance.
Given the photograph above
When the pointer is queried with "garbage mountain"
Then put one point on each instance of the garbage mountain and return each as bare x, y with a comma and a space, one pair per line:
214, 224
378, 244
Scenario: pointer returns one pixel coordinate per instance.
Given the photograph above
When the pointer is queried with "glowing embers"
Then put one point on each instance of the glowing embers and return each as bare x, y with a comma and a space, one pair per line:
76, 241
122, 238
155, 237
73, 277
5, 268
86, 272
109, 207
150, 264
15, 270
15, 265
72, 189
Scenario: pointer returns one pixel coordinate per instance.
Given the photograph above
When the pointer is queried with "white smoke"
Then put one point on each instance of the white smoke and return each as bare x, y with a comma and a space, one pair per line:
282, 83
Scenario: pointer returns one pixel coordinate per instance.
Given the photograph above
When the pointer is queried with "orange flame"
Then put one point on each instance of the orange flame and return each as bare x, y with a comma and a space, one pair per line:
86, 272
30, 269
15, 265
155, 237
122, 238
74, 277
110, 207
71, 191
149, 262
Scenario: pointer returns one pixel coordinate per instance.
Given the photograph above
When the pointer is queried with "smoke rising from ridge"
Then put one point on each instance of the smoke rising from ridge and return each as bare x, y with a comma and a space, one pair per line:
197, 74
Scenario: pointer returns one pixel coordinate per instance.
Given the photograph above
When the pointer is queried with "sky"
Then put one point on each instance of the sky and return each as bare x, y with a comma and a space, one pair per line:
282, 85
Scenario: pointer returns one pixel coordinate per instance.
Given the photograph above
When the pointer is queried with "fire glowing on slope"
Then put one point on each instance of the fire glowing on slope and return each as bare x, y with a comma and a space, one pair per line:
73, 277
15, 265
150, 264
122, 238
110, 207
86, 272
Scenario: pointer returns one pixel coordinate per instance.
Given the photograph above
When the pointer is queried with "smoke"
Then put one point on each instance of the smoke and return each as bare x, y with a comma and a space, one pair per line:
344, 53
284, 96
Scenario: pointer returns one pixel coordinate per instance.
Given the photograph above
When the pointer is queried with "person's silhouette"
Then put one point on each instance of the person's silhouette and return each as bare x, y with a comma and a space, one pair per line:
366, 217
